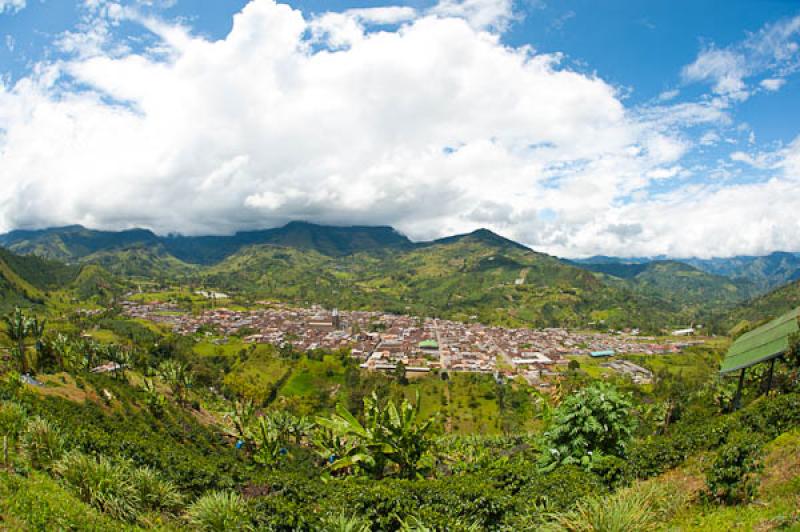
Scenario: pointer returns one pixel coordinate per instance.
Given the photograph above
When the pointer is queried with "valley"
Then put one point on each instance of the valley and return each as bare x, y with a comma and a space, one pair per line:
282, 385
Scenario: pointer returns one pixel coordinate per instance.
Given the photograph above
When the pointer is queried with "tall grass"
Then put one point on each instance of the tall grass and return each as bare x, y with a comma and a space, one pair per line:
640, 508
102, 484
220, 512
343, 523
154, 492
12, 419
42, 443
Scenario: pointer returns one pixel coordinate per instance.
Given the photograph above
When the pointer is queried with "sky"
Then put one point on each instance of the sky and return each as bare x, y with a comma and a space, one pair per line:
577, 127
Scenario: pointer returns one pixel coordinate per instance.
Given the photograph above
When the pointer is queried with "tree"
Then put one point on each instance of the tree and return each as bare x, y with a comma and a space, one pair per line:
36, 330
592, 423
400, 373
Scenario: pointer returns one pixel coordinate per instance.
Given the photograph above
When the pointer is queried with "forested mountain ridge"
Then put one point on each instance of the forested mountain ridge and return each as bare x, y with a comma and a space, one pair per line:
479, 275
763, 273
75, 243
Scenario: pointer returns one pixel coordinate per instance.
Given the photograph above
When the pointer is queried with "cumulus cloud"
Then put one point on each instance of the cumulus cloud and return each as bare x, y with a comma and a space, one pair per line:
421, 120
11, 6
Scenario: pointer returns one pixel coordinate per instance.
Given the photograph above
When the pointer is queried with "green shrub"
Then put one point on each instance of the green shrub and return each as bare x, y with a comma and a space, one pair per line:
42, 443
732, 476
101, 483
220, 512
595, 421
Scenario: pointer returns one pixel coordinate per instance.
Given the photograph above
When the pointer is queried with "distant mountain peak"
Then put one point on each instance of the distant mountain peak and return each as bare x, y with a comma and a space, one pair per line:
484, 236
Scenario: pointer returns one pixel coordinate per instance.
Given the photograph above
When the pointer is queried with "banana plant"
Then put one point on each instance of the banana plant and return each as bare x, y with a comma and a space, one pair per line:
18, 327
242, 415
269, 447
389, 436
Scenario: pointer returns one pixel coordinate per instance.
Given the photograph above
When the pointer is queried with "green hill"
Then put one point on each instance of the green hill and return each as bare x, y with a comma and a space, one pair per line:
767, 306
31, 280
678, 282
479, 275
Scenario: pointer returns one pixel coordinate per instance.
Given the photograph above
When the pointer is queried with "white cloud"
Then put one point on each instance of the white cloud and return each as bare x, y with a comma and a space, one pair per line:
383, 15
481, 14
669, 95
773, 84
772, 50
724, 68
433, 126
11, 6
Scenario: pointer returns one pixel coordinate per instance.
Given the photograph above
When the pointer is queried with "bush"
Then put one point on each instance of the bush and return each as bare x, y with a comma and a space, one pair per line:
732, 476
220, 511
42, 443
100, 483
595, 421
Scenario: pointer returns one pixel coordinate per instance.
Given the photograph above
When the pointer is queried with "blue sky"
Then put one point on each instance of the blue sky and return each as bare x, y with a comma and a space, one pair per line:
576, 127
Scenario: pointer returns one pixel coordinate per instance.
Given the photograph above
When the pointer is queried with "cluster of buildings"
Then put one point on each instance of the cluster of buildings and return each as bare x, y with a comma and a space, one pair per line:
381, 341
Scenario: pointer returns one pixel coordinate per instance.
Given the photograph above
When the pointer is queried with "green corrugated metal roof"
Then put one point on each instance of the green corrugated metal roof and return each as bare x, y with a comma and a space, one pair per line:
766, 342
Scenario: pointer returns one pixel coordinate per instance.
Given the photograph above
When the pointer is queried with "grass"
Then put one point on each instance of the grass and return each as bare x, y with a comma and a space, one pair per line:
105, 336
208, 348
256, 377
37, 502
311, 376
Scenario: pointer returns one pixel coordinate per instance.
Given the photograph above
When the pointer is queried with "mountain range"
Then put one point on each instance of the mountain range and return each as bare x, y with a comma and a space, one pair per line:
477, 275
763, 272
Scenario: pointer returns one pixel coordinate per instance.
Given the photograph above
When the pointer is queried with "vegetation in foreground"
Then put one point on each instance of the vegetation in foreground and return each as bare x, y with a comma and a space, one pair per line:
165, 442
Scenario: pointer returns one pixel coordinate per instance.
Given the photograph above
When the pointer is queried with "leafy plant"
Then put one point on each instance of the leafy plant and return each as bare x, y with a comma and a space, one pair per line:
178, 377
343, 523
18, 327
595, 421
12, 419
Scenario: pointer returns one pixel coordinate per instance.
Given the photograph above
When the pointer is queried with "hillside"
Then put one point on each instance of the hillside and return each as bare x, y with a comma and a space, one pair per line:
31, 280
681, 283
479, 275
476, 276
767, 306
